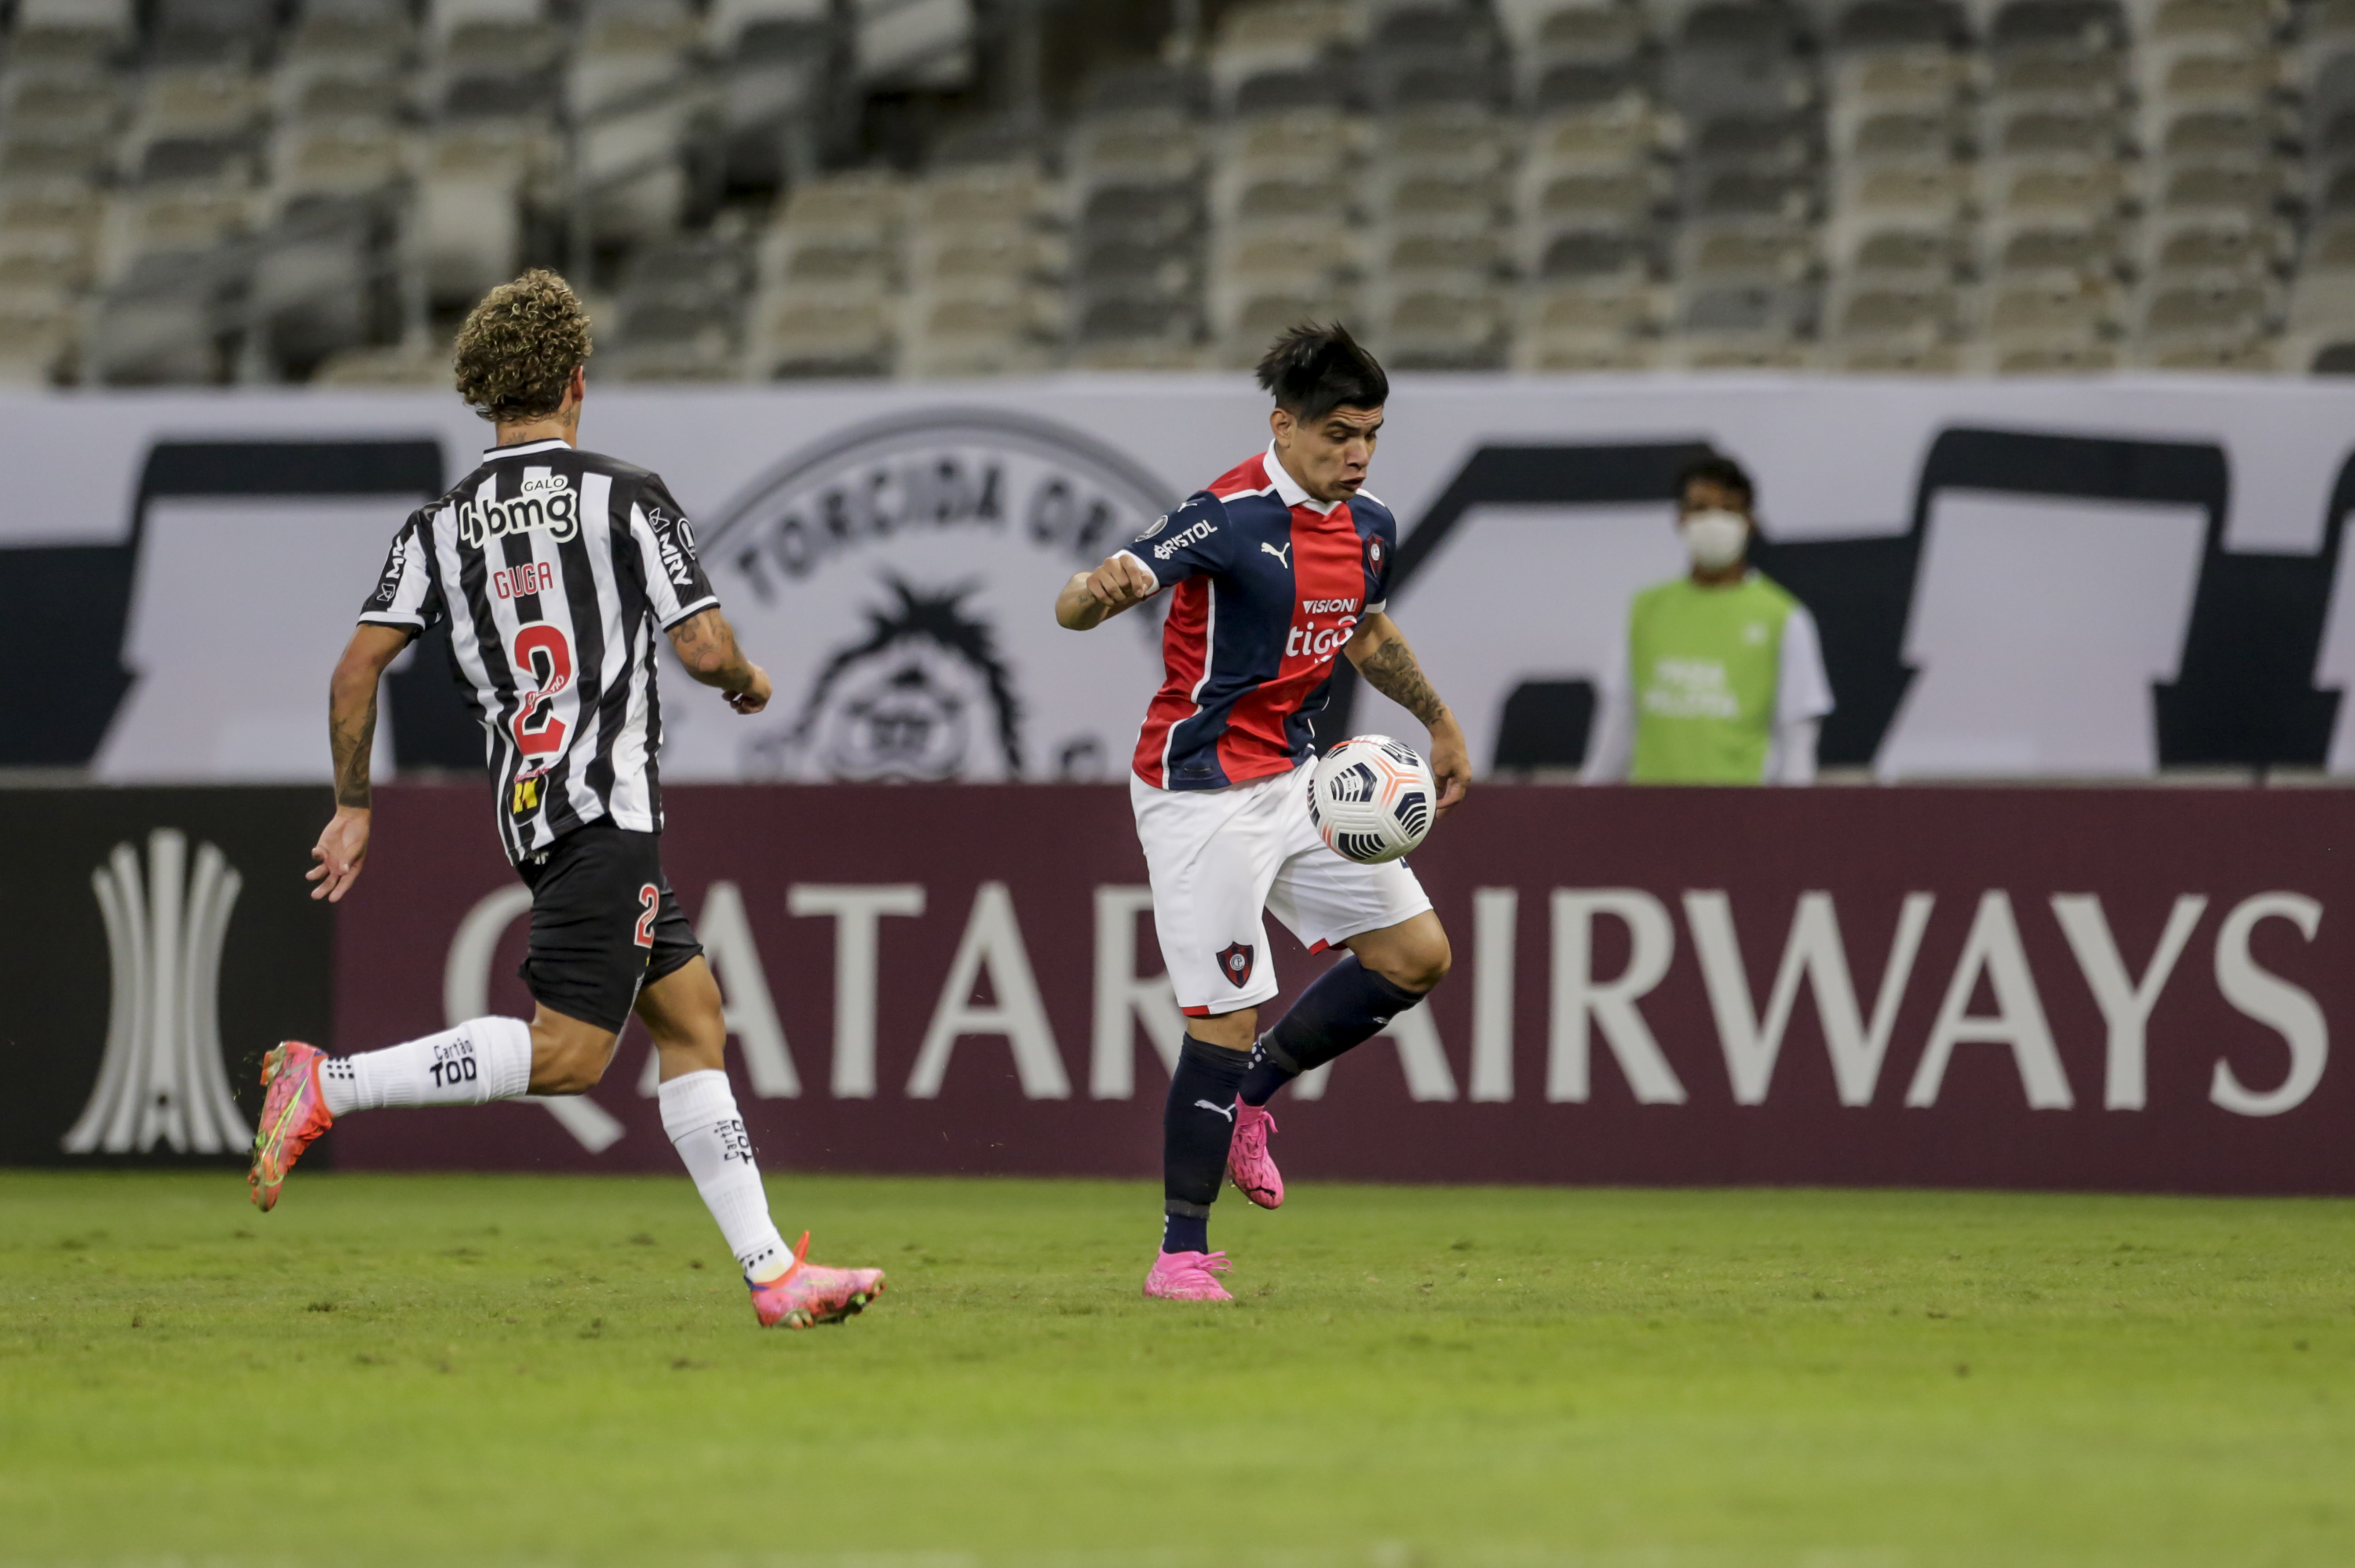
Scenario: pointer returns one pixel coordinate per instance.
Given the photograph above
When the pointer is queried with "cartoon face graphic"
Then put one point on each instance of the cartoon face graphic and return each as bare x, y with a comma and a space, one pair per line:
923, 696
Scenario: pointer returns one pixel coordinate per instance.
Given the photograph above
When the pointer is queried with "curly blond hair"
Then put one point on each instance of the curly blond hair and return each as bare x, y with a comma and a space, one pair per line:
519, 347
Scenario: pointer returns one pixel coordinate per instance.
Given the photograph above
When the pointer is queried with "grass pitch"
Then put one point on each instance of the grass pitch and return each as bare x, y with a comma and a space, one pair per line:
544, 1371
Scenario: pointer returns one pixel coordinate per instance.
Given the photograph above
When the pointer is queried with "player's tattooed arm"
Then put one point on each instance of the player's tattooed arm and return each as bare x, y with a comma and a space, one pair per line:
351, 737
1090, 599
706, 644
1389, 665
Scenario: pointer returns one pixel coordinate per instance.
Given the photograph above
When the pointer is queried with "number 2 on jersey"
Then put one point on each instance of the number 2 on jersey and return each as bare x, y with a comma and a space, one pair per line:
543, 655
649, 900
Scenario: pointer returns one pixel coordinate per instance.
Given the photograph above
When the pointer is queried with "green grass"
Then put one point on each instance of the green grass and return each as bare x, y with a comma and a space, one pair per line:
544, 1371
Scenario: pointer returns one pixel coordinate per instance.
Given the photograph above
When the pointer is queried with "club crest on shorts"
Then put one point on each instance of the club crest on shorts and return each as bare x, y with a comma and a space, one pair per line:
1235, 963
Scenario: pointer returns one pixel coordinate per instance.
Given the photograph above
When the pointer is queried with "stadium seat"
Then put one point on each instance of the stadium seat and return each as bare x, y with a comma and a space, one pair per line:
420, 361
808, 333
1892, 313
224, 32
2051, 312
157, 337
1893, 357
164, 228
1458, 326
71, 32
1248, 315
1270, 41
315, 289
2053, 358
1584, 314
469, 217
2323, 304
1000, 332
37, 338
1771, 252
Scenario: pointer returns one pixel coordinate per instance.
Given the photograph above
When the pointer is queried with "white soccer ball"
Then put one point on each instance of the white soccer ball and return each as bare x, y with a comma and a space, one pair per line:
1371, 799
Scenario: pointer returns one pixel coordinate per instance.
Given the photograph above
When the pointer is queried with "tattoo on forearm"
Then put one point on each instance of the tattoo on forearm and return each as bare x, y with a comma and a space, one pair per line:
354, 737
1392, 670
706, 646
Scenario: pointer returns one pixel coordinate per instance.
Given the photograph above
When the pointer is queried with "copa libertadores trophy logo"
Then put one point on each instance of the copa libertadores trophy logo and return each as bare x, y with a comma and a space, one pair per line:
162, 1079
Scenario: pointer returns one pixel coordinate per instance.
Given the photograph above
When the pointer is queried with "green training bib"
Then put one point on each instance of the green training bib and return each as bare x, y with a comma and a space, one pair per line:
1706, 663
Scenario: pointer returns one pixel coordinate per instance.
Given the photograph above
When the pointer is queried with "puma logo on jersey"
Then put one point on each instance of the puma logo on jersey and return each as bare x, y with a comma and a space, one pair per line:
1285, 555
1227, 1111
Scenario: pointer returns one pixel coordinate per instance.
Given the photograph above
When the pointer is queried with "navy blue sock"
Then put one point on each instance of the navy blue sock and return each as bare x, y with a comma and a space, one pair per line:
1197, 1126
1348, 1005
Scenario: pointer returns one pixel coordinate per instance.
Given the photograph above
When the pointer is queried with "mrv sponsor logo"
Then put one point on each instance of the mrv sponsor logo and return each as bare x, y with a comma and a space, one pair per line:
675, 542
162, 1078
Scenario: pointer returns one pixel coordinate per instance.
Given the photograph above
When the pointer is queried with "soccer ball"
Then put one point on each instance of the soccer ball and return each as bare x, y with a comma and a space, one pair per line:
1371, 799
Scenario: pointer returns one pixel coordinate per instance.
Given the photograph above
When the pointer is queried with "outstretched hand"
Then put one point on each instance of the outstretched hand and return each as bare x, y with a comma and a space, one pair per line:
1451, 763
342, 847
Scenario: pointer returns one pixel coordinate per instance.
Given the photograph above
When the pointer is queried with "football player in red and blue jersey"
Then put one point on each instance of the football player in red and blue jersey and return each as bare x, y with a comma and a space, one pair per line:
1281, 565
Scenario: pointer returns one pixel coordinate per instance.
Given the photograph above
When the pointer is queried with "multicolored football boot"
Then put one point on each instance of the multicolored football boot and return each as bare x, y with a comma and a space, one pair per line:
1249, 1165
809, 1293
1186, 1276
293, 1114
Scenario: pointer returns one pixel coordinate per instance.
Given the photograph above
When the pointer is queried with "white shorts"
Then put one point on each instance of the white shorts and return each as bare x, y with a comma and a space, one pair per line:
1218, 858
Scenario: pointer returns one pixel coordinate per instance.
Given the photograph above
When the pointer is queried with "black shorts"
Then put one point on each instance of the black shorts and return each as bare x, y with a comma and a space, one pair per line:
604, 922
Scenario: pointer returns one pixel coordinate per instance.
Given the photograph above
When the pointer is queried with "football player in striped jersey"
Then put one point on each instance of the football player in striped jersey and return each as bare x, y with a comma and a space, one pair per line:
557, 570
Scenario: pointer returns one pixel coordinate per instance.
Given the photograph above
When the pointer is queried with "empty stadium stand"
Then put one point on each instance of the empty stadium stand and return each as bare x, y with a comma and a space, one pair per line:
197, 191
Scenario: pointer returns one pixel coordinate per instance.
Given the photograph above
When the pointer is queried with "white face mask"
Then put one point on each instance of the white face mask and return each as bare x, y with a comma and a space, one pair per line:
1715, 540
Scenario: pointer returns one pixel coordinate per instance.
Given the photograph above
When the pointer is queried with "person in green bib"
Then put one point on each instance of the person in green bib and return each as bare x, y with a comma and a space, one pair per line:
1720, 679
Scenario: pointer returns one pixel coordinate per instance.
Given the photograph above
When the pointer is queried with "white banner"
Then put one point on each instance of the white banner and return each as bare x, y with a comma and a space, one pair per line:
2095, 577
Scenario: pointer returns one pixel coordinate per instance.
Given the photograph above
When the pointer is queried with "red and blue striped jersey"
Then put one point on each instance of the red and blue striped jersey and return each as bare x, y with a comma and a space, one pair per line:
1270, 584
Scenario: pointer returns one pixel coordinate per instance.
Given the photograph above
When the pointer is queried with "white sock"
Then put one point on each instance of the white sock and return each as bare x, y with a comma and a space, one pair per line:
698, 1111
482, 1059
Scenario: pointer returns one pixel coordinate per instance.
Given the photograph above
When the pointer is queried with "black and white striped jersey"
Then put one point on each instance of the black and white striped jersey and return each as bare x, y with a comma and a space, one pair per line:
559, 571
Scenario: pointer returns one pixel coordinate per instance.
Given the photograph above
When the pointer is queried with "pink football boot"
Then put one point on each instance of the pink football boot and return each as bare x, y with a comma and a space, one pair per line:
1186, 1276
1248, 1166
809, 1293
293, 1114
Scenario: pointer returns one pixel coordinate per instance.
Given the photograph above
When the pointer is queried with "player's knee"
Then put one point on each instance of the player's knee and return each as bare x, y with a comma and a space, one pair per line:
569, 1067
1427, 962
1419, 963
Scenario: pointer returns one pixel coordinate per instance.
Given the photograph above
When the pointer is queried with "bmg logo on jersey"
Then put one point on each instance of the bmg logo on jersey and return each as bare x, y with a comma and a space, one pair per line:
545, 504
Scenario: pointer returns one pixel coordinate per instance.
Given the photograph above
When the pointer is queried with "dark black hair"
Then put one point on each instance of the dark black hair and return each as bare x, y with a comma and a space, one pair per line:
1312, 370
1717, 468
